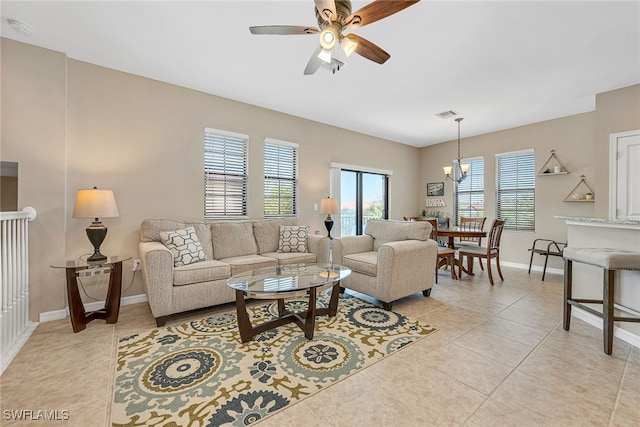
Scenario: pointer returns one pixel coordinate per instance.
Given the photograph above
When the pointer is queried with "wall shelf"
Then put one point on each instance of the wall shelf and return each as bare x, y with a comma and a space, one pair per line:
581, 192
549, 167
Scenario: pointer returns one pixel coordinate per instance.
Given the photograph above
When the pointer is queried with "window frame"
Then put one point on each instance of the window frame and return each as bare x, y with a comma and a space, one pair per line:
290, 175
521, 187
231, 172
473, 190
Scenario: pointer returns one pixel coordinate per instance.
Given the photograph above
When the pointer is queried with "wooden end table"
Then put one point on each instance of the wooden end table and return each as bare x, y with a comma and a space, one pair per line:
75, 269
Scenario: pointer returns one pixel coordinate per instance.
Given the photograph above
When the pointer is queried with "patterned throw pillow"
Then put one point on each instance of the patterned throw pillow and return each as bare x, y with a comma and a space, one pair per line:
293, 238
184, 245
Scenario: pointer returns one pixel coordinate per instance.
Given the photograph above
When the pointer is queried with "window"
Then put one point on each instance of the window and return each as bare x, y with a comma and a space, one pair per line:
362, 193
515, 189
469, 194
280, 178
225, 174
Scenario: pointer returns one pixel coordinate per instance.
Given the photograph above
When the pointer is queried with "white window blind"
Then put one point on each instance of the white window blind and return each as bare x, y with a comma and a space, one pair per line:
469, 197
225, 174
515, 189
280, 178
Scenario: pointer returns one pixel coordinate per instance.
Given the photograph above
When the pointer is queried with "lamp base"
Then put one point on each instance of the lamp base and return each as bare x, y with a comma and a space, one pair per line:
97, 257
96, 233
328, 274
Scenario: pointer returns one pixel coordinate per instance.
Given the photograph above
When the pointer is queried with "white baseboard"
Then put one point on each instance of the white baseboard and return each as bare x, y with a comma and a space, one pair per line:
596, 321
533, 267
91, 306
17, 345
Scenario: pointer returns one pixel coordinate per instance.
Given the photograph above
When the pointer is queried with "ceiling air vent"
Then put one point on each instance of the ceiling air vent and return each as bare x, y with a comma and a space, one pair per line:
447, 114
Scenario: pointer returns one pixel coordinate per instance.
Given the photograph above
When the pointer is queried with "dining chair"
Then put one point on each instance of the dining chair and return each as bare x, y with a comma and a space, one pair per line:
491, 251
473, 242
444, 253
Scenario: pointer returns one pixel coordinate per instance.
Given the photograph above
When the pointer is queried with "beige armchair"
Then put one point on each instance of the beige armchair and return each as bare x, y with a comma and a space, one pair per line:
392, 260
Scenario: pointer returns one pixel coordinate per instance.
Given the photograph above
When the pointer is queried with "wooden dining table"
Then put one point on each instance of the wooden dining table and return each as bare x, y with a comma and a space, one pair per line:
452, 232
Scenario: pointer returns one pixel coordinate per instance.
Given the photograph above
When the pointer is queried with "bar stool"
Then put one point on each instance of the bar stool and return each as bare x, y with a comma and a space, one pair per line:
609, 260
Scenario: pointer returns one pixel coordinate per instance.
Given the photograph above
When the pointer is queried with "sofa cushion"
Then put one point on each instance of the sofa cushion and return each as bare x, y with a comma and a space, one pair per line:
363, 262
184, 245
232, 239
286, 258
203, 271
385, 231
267, 233
150, 230
244, 263
293, 238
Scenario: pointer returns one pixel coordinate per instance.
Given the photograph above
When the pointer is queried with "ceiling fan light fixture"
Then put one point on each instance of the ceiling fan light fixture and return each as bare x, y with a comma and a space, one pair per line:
325, 55
349, 46
328, 38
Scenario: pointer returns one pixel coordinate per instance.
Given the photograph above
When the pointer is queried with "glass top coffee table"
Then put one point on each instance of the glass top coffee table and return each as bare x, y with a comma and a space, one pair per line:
287, 281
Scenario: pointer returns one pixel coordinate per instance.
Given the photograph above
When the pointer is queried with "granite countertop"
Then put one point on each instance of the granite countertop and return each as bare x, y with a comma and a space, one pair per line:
603, 221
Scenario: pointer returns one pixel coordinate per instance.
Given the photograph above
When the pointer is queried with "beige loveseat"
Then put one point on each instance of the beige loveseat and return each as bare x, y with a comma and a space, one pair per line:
392, 260
229, 247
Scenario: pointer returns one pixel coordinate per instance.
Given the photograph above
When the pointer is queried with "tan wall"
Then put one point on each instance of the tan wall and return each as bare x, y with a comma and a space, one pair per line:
143, 139
616, 111
582, 145
33, 134
572, 137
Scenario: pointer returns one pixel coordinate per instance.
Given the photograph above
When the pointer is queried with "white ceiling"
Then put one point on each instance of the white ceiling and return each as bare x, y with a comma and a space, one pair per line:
501, 64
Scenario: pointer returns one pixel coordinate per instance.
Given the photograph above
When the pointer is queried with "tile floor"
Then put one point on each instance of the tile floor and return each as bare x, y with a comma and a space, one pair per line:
500, 357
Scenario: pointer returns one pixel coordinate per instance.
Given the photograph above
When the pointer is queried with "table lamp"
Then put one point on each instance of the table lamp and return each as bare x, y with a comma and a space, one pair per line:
328, 206
95, 204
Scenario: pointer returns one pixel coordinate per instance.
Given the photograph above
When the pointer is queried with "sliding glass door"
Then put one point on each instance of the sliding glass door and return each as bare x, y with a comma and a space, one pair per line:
363, 196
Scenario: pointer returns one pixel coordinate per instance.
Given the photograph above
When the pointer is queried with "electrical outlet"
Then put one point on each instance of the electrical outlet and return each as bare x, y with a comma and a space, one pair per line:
136, 265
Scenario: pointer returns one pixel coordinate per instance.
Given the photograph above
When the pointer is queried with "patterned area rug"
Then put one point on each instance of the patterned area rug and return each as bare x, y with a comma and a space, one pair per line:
200, 374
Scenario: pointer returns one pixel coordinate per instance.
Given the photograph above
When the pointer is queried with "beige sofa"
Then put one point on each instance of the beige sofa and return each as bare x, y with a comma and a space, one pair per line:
392, 260
230, 247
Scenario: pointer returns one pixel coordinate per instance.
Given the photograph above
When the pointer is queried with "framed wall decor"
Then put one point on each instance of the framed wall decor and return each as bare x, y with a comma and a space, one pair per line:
435, 189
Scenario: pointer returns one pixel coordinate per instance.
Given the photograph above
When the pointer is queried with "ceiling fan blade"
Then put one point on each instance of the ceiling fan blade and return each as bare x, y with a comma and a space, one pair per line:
375, 11
368, 49
326, 9
314, 62
283, 30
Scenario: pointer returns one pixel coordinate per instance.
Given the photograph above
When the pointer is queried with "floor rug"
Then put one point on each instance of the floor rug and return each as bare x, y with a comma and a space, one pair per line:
200, 374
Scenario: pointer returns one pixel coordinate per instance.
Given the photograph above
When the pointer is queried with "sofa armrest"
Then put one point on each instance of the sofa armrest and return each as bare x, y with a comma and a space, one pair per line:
342, 246
313, 244
157, 273
406, 263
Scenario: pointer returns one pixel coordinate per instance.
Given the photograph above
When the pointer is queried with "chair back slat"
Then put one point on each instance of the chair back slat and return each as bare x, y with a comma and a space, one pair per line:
434, 228
472, 224
495, 234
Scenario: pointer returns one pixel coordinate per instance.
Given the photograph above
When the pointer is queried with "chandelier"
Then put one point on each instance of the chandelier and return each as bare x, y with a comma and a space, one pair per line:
463, 168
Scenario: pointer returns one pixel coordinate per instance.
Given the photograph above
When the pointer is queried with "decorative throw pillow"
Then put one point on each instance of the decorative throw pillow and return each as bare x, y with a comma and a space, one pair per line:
293, 238
184, 245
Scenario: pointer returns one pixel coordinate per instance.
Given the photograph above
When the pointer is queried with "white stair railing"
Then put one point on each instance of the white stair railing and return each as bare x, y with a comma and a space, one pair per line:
15, 326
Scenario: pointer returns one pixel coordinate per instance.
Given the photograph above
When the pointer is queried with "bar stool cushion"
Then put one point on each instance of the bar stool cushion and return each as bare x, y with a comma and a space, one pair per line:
611, 259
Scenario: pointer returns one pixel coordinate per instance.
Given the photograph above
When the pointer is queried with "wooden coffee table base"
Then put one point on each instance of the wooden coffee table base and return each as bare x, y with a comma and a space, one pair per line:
306, 320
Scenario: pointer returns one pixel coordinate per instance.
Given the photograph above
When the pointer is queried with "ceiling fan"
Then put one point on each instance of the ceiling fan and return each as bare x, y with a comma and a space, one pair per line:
334, 16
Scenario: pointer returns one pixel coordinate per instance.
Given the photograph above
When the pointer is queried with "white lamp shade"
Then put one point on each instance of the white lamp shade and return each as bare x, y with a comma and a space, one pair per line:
447, 170
328, 206
95, 204
349, 46
464, 167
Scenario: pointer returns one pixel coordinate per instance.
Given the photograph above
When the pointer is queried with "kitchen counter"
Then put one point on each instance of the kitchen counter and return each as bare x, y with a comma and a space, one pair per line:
587, 283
